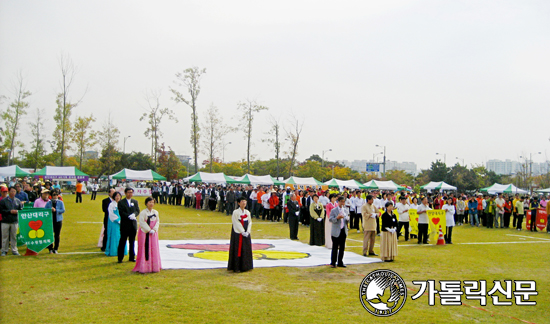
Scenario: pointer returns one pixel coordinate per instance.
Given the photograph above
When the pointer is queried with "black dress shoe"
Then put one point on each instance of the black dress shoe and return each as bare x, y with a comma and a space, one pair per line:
373, 254
119, 261
342, 266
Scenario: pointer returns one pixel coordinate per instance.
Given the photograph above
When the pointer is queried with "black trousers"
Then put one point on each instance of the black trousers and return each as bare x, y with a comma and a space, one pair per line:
449, 235
338, 247
187, 201
355, 219
423, 233
56, 232
519, 221
285, 217
399, 226
127, 232
265, 213
178, 200
489, 219
155, 197
78, 197
506, 220
164, 198
533, 220
515, 215
172, 199
105, 222
230, 208
293, 225
377, 225
94, 195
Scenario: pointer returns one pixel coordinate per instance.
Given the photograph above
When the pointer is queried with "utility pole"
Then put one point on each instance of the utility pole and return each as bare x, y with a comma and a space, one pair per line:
384, 158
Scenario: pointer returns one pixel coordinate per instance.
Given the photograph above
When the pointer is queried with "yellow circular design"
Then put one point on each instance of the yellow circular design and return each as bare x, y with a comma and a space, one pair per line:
32, 234
40, 233
256, 255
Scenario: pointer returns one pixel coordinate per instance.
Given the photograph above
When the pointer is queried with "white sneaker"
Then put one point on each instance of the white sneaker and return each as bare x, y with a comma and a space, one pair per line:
358, 231
4, 253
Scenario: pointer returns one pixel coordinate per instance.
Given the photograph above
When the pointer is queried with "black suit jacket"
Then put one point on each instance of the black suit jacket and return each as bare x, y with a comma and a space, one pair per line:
293, 207
105, 207
125, 210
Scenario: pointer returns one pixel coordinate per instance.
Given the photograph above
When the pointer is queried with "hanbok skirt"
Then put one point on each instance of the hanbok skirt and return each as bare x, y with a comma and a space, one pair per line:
113, 238
316, 232
153, 264
388, 246
328, 230
244, 245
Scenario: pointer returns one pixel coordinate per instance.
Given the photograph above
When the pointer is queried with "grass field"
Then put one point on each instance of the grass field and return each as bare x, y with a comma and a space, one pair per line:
93, 288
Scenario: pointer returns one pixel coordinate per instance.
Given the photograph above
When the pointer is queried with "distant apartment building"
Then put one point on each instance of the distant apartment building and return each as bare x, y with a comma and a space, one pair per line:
508, 167
360, 165
183, 158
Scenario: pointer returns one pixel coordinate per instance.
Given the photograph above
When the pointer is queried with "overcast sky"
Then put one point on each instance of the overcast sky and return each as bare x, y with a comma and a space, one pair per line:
467, 78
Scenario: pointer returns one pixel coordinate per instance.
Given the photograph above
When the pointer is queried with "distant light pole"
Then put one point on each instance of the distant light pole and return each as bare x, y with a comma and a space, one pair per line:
188, 159
460, 159
9, 155
124, 147
223, 152
531, 168
444, 157
375, 155
384, 157
323, 158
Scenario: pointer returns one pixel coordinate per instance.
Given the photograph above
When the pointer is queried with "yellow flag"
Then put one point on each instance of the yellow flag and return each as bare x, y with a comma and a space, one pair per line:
436, 218
413, 221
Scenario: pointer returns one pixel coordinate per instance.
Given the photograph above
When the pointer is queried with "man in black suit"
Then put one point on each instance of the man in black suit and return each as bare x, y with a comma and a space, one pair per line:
105, 207
129, 211
293, 216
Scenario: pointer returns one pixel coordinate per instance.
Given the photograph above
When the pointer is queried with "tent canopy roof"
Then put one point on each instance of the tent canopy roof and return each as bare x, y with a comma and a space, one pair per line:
441, 185
145, 175
13, 171
54, 172
383, 185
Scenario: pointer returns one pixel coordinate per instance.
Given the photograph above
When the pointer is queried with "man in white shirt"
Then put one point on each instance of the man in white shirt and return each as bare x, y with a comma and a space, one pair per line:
357, 203
423, 221
500, 211
323, 199
403, 211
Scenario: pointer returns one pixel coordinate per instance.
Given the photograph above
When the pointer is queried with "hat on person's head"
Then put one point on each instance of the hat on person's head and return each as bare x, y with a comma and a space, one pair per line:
3, 189
45, 191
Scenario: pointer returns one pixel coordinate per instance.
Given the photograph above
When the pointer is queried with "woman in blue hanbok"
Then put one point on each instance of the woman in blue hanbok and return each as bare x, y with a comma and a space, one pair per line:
113, 228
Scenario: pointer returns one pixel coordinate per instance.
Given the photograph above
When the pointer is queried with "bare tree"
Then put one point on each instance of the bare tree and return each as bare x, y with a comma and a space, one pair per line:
37, 144
190, 80
274, 138
293, 136
64, 108
13, 114
248, 109
214, 130
154, 116
110, 134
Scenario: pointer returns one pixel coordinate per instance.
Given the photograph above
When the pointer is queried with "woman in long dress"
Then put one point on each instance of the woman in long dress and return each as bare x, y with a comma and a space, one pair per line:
317, 226
328, 225
388, 238
113, 228
148, 256
240, 245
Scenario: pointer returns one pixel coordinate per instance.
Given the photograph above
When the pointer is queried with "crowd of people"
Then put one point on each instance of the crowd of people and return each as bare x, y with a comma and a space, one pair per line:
328, 214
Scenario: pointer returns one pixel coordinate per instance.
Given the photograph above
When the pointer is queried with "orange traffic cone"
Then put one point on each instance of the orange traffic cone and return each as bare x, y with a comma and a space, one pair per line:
440, 240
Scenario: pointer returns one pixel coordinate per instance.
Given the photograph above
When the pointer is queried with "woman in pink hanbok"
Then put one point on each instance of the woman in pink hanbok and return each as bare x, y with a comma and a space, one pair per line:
148, 257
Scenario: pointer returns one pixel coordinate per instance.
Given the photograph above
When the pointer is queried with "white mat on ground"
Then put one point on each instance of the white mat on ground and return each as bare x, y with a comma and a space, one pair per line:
212, 254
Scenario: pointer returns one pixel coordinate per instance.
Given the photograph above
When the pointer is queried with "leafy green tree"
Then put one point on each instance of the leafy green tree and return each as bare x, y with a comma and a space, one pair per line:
83, 136
438, 171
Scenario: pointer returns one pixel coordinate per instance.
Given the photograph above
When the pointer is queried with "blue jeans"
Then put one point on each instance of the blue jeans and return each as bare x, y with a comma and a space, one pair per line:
473, 215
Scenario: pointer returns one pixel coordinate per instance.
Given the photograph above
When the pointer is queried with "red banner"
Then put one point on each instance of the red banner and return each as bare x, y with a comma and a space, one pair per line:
542, 219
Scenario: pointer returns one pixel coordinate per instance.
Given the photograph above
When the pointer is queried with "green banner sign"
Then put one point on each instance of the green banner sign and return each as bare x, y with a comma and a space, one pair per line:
36, 228
28, 205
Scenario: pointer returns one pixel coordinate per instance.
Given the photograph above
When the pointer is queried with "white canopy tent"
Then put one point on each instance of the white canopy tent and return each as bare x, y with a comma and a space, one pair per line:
383, 185
205, 177
441, 185
500, 188
352, 184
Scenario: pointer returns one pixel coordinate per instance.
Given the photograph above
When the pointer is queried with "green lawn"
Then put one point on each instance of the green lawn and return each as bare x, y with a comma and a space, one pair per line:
93, 288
